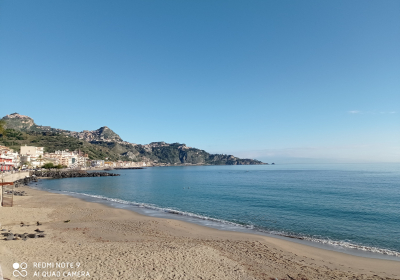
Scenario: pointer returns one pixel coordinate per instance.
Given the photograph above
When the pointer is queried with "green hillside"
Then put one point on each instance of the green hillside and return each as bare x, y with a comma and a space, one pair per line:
55, 141
105, 144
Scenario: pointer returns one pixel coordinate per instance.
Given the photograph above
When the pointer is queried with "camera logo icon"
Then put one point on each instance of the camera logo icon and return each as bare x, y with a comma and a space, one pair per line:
17, 267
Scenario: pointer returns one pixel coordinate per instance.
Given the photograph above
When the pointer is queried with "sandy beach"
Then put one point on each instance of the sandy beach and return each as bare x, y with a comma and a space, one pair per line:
113, 243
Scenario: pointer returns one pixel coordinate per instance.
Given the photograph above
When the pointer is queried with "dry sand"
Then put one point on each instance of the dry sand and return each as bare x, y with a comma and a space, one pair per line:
120, 244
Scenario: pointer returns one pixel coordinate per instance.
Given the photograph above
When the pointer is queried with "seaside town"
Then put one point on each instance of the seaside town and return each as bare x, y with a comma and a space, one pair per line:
31, 157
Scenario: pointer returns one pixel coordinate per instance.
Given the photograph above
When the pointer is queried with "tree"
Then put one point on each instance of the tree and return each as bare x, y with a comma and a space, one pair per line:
48, 165
29, 164
60, 166
40, 159
2, 128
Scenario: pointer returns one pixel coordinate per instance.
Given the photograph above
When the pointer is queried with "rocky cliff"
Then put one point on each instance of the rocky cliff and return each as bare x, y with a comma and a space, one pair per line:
101, 134
19, 122
24, 123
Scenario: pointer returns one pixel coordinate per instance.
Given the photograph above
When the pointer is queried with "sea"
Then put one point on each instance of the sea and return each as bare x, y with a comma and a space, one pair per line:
351, 208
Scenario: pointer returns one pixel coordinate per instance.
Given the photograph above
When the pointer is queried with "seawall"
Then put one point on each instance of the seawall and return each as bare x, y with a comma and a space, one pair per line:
12, 177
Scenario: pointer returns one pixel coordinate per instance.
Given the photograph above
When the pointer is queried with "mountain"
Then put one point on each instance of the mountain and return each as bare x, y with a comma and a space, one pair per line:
26, 124
104, 143
19, 122
101, 134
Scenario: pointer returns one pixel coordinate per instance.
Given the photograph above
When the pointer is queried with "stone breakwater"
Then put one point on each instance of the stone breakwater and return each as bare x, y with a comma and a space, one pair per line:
25, 181
70, 174
35, 175
123, 168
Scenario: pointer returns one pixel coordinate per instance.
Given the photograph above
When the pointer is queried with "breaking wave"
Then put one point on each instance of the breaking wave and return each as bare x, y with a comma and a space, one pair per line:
335, 243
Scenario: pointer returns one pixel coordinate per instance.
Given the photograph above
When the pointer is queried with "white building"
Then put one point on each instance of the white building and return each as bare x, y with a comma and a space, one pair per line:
97, 163
32, 154
67, 158
9, 160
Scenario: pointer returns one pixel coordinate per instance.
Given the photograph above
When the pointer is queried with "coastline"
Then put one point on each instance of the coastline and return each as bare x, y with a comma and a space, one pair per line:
166, 213
121, 244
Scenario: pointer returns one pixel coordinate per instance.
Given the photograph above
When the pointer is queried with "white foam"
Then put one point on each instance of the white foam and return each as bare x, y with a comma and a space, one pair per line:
166, 210
353, 246
172, 211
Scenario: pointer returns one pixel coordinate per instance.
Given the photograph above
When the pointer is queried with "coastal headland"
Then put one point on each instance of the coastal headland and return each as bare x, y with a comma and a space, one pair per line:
102, 148
110, 243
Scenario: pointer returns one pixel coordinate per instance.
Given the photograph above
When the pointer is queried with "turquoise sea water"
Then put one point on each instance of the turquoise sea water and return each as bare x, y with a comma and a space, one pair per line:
348, 205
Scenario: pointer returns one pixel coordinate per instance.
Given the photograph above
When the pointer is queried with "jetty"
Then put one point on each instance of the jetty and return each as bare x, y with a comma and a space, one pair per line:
122, 168
70, 174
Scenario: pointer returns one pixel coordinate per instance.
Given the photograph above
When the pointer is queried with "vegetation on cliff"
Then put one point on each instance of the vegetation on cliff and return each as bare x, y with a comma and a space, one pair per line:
56, 141
106, 144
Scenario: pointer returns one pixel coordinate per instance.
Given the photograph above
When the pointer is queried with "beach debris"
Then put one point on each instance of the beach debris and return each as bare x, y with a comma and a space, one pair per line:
38, 224
16, 193
24, 237
16, 236
67, 221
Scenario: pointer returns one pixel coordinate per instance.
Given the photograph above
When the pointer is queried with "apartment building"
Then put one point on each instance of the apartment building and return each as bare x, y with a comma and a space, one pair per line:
67, 158
9, 159
32, 154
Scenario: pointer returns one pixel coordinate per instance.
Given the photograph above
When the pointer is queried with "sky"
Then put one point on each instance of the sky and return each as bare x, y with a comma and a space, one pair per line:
279, 81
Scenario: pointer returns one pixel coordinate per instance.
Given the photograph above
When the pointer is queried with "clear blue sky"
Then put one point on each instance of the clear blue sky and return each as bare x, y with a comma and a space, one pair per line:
283, 81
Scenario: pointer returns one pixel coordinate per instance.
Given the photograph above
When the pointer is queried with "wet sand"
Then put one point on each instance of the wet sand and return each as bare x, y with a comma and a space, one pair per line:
114, 243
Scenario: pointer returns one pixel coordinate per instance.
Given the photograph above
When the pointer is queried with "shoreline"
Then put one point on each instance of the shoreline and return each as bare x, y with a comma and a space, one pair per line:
190, 250
214, 223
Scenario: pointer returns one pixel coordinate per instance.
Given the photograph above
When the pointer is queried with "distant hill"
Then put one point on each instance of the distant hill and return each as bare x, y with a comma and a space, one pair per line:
19, 122
104, 143
26, 124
